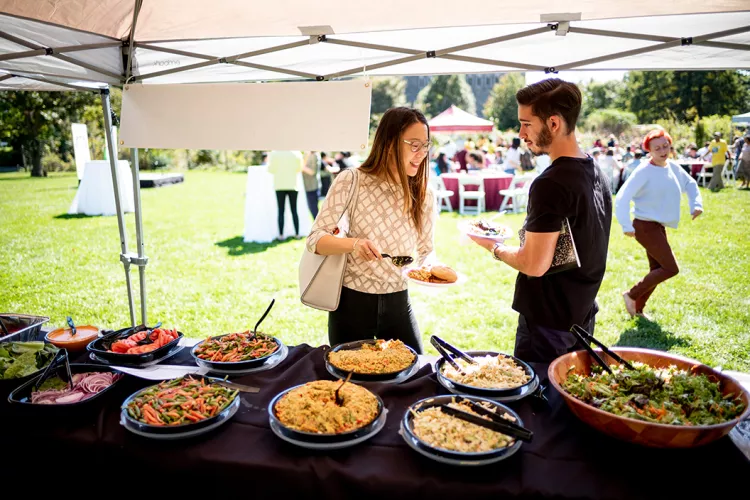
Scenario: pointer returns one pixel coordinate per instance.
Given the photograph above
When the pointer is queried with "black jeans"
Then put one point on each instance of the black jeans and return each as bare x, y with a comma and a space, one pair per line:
325, 185
280, 201
540, 344
312, 202
363, 316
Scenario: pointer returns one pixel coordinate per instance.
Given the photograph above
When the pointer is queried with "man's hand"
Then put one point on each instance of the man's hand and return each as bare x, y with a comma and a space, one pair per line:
696, 213
485, 243
630, 234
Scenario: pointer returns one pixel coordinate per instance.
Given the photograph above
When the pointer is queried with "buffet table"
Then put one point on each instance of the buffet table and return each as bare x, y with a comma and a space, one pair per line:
566, 458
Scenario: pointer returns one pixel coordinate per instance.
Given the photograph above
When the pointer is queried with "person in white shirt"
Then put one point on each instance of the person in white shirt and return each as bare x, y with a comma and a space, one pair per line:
611, 169
513, 157
655, 188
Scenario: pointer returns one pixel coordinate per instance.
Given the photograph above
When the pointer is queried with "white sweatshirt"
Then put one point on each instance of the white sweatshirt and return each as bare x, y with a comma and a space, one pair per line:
656, 191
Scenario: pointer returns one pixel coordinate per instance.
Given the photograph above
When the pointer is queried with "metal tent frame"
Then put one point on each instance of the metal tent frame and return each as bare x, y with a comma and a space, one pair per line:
316, 35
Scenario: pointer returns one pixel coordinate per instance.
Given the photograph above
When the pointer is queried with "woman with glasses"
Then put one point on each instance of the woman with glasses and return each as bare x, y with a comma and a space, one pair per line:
655, 189
394, 214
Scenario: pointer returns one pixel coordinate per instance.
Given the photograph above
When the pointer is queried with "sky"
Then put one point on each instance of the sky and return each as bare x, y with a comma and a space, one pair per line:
576, 76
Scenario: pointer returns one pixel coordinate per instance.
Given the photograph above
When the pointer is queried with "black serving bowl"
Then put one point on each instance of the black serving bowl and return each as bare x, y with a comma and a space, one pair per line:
315, 438
21, 396
100, 348
365, 377
247, 364
8, 385
176, 431
451, 456
483, 392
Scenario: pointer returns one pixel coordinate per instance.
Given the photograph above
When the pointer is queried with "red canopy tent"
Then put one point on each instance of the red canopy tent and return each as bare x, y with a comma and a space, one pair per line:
455, 119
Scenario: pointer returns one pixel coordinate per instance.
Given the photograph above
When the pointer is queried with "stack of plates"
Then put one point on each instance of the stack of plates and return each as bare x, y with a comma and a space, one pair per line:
500, 395
449, 456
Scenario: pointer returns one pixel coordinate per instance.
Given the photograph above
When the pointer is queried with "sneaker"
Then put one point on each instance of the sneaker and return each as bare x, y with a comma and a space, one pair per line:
629, 304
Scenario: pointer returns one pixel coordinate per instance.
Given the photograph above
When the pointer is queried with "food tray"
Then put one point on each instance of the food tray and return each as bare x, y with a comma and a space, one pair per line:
325, 441
448, 456
100, 346
241, 367
392, 377
167, 355
22, 327
182, 431
506, 395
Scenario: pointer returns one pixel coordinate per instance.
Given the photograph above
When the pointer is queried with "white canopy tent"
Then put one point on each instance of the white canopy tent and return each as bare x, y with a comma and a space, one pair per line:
91, 44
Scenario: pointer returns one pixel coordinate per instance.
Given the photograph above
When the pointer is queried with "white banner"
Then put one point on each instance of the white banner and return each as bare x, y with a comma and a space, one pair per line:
81, 147
306, 116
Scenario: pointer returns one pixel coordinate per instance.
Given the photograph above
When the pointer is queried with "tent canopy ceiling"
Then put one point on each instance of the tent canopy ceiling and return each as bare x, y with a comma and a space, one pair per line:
188, 41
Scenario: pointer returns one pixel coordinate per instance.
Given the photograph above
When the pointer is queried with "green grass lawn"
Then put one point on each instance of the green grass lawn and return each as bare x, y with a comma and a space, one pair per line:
203, 279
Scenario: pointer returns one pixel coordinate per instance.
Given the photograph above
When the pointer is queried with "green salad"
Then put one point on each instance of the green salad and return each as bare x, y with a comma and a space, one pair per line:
664, 396
19, 359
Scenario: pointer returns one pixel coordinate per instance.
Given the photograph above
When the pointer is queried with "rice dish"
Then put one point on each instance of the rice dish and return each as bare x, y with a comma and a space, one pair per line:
378, 358
312, 408
441, 430
490, 372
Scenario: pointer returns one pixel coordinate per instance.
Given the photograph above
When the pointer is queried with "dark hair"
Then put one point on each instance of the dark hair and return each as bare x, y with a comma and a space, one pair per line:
323, 155
610, 152
552, 97
442, 163
516, 143
638, 153
386, 147
477, 156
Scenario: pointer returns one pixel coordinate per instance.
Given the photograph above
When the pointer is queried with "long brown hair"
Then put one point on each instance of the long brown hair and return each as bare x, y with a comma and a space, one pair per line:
386, 148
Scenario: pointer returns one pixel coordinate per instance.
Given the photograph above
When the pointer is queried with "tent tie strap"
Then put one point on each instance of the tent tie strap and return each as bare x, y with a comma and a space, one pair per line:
131, 258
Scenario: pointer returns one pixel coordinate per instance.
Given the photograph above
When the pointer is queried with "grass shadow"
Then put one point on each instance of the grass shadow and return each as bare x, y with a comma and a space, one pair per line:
75, 216
650, 335
237, 246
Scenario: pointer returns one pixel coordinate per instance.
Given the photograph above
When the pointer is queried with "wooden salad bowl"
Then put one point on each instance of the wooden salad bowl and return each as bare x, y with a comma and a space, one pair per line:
637, 431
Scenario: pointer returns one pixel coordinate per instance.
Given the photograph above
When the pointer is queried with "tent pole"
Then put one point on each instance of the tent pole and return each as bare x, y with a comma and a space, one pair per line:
53, 82
141, 260
112, 153
57, 50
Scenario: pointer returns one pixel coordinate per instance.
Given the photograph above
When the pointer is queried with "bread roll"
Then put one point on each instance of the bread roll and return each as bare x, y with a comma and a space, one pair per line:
444, 273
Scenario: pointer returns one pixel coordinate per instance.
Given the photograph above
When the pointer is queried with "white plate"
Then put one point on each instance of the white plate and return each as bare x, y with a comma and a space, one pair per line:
460, 281
531, 389
333, 446
465, 228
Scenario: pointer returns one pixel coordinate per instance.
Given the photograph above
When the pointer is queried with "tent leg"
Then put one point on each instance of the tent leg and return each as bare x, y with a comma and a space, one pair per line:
112, 153
141, 260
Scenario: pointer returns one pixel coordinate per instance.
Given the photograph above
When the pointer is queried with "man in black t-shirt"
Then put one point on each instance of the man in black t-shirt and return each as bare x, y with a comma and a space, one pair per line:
572, 188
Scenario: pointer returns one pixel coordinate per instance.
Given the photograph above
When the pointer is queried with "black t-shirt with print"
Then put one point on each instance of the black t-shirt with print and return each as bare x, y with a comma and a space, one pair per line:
574, 188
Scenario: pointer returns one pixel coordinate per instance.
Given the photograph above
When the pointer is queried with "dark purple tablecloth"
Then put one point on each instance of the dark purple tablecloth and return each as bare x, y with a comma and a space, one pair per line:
565, 460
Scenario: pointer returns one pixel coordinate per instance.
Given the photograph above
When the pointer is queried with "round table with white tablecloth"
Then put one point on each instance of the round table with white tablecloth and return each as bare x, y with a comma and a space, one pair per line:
261, 225
96, 196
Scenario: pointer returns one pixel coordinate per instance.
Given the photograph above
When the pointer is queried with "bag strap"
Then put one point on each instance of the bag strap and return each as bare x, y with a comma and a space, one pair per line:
353, 194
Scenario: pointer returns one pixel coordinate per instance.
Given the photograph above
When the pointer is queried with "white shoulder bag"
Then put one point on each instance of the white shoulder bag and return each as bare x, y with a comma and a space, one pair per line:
322, 276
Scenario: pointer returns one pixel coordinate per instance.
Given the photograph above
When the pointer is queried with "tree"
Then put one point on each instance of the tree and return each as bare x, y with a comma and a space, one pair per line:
387, 92
686, 95
501, 106
444, 91
37, 121
602, 95
611, 121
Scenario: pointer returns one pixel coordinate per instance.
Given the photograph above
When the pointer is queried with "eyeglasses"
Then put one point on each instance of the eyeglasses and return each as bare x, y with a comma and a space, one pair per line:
417, 145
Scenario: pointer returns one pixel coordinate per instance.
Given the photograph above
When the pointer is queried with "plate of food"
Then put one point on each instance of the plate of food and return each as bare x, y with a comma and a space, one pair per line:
136, 346
179, 408
496, 376
484, 228
90, 382
236, 353
374, 360
666, 401
309, 416
447, 439
436, 276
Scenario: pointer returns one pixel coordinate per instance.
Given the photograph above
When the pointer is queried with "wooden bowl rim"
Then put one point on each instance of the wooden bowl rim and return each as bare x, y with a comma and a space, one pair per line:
569, 397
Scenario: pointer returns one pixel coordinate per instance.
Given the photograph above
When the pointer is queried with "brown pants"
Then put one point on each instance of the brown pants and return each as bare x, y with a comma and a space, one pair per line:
653, 237
717, 182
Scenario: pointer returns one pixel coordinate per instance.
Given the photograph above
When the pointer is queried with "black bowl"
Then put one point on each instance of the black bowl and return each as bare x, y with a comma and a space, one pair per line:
235, 365
315, 438
480, 391
365, 377
8, 385
22, 395
100, 348
407, 425
175, 431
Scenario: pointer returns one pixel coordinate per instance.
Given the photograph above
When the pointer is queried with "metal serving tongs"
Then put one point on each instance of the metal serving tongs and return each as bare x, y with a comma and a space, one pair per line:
435, 340
60, 357
149, 331
585, 337
496, 422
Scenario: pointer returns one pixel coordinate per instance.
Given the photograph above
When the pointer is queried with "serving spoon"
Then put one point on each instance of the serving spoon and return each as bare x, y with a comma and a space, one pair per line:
337, 397
399, 260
